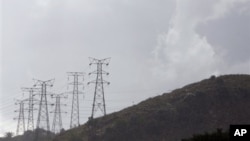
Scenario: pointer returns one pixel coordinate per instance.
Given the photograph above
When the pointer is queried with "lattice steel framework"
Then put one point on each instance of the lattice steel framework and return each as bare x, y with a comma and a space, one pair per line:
57, 124
99, 97
43, 114
21, 120
75, 119
30, 123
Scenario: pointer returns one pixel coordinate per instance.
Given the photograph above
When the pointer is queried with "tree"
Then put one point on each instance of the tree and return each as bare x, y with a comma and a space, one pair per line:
9, 135
215, 136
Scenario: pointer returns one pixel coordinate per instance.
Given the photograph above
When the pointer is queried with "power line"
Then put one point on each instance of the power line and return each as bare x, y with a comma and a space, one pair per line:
99, 98
74, 119
57, 124
43, 115
21, 120
30, 124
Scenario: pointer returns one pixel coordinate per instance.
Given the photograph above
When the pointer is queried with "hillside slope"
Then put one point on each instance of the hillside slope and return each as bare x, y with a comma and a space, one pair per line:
194, 109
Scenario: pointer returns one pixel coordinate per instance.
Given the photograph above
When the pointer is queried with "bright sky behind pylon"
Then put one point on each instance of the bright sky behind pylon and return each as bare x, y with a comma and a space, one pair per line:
155, 46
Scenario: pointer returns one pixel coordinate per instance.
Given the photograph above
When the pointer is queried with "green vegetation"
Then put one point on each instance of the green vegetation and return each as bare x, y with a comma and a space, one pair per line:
193, 110
29, 136
9, 135
215, 136
197, 108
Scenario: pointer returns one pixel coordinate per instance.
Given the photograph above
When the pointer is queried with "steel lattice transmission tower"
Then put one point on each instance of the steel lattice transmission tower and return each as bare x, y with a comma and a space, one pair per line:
57, 120
99, 99
74, 120
43, 114
30, 123
21, 119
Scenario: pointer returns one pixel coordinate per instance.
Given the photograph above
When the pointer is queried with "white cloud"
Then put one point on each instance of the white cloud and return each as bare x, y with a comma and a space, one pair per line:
181, 52
222, 7
183, 55
45, 39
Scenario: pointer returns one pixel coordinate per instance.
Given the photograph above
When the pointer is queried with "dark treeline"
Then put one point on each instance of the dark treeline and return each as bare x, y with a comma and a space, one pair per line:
36, 135
219, 135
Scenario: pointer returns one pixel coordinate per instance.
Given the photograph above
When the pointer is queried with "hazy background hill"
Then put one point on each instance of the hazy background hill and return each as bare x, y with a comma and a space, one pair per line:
194, 109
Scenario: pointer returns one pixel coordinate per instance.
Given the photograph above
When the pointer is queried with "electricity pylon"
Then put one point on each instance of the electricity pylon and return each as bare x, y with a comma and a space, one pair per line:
99, 99
74, 119
30, 123
57, 120
21, 120
43, 114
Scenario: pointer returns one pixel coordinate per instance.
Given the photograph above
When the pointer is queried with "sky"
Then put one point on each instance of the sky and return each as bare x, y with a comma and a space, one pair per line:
155, 47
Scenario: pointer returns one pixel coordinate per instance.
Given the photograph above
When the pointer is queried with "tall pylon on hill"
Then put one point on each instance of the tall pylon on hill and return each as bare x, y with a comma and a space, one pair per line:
20, 120
43, 114
75, 116
99, 98
57, 124
30, 109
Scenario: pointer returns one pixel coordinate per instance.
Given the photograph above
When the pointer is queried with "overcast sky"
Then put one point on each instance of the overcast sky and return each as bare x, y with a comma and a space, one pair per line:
155, 46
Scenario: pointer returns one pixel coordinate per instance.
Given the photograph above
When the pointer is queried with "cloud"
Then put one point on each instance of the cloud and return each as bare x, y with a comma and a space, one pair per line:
223, 7
46, 39
183, 55
230, 34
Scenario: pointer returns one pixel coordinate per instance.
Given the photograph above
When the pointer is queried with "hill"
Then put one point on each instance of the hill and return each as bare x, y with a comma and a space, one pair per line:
194, 109
36, 135
215, 136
